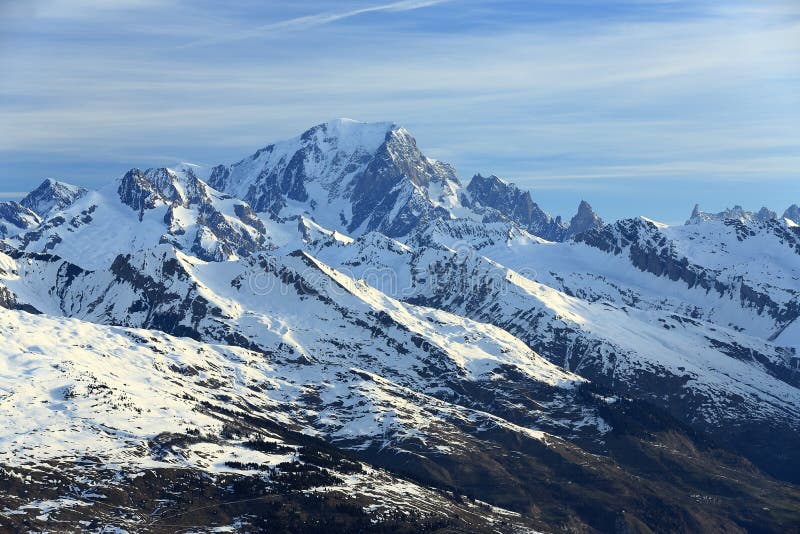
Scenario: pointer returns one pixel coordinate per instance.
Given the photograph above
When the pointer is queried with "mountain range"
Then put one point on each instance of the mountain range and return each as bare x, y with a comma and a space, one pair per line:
336, 334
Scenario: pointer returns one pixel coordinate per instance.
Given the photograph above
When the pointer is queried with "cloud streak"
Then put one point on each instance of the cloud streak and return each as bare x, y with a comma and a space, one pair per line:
310, 21
554, 103
319, 19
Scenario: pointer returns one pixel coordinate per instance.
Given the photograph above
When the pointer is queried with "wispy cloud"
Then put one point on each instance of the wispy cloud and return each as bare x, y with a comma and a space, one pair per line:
735, 169
565, 103
76, 9
318, 19
310, 21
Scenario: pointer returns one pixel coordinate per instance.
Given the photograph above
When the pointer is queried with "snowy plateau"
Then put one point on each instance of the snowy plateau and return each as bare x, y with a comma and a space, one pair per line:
338, 334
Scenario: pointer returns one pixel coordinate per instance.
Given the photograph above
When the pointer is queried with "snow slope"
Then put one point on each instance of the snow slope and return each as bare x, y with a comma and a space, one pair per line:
143, 209
127, 401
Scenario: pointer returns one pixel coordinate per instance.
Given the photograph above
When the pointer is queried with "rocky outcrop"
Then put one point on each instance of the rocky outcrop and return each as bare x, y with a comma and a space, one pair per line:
497, 199
792, 213
16, 218
509, 201
650, 249
583, 221
219, 233
52, 196
346, 175
736, 213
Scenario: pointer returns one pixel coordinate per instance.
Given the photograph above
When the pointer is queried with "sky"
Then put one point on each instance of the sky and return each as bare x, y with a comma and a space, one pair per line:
641, 107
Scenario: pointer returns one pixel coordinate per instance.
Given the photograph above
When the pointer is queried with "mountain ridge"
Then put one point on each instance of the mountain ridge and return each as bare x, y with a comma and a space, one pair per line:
449, 341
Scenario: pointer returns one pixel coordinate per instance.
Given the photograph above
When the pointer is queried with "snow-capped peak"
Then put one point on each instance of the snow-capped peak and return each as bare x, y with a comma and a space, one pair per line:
348, 135
346, 175
201, 171
654, 222
52, 196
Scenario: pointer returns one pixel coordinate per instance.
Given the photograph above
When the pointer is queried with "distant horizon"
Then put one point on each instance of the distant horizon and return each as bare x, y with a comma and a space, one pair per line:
642, 108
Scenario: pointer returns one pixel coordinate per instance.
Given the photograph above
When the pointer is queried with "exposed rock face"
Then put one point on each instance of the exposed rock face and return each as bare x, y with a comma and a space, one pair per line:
792, 213
52, 196
652, 250
586, 219
220, 233
16, 218
358, 177
143, 209
136, 192
352, 176
145, 190
765, 214
497, 199
509, 201
737, 213
394, 192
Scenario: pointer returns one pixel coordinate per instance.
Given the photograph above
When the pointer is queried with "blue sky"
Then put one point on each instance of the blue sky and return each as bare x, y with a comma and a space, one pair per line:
642, 107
